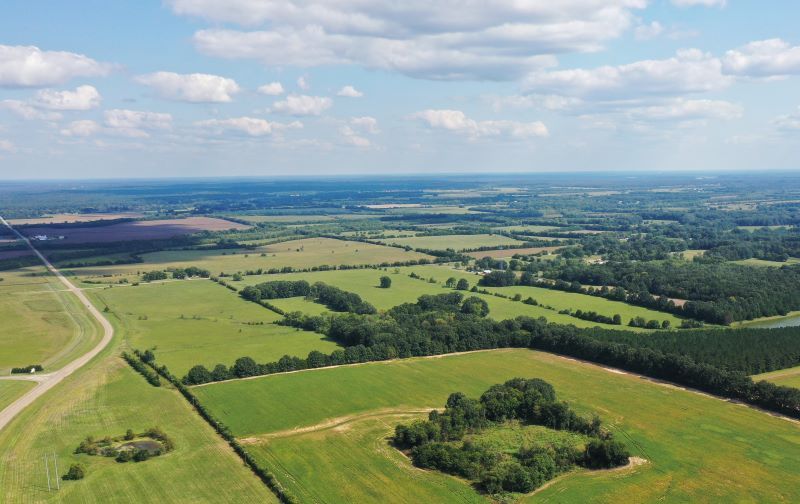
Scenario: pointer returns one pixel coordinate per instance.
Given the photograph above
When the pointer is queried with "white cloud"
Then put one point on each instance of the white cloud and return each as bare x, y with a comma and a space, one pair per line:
457, 121
7, 146
494, 39
648, 31
789, 122
547, 102
302, 105
704, 3
134, 123
366, 123
29, 66
195, 88
350, 92
271, 89
353, 138
27, 111
303, 84
83, 98
83, 128
763, 58
683, 110
248, 125
689, 71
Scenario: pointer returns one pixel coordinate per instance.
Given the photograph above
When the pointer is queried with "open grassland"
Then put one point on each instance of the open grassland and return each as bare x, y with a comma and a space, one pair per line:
304, 253
297, 218
698, 448
787, 377
200, 322
299, 304
509, 253
455, 242
10, 390
105, 400
404, 289
40, 325
32, 278
70, 218
764, 263
691, 253
527, 229
791, 319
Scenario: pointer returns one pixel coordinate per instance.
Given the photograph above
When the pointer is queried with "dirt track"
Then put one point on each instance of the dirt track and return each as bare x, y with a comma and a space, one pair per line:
45, 383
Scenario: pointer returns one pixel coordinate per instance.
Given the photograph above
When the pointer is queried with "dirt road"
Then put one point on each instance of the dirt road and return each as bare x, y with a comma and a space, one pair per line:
45, 383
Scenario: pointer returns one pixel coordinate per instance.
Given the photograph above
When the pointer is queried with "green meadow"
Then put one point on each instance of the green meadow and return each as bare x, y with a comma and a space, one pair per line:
201, 322
787, 377
10, 390
330, 439
455, 242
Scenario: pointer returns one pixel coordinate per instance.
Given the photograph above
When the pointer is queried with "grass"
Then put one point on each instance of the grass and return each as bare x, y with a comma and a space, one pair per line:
304, 253
699, 449
41, 325
10, 390
791, 319
456, 242
200, 322
527, 229
764, 263
788, 377
104, 400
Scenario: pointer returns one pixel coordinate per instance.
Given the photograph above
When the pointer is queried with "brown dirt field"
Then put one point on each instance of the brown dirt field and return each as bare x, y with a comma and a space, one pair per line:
501, 253
69, 218
137, 230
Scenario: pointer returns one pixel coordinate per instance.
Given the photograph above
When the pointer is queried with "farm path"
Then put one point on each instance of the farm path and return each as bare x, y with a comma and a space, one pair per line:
51, 380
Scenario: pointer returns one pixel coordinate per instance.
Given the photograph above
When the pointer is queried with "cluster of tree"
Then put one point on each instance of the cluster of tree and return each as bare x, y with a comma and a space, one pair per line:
140, 366
189, 272
33, 368
123, 449
340, 300
593, 316
276, 289
649, 324
333, 297
152, 276
75, 472
432, 442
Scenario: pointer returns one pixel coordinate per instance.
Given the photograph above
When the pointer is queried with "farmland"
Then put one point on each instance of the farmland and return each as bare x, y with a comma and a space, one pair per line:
71, 218
12, 389
508, 253
742, 449
203, 323
455, 242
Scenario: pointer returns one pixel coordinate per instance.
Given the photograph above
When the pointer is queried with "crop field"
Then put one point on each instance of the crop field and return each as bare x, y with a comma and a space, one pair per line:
742, 452
12, 389
787, 377
527, 229
455, 242
304, 253
203, 323
105, 400
508, 253
293, 219
40, 325
136, 230
70, 218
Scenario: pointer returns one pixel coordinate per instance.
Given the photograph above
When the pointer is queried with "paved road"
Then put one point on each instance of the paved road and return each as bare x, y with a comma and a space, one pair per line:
46, 382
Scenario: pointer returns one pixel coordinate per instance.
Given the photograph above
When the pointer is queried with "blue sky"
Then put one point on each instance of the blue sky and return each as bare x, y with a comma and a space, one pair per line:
298, 87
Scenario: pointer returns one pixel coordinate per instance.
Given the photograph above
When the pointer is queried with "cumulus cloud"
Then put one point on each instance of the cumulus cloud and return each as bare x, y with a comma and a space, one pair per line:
366, 123
135, 123
83, 128
303, 105
704, 3
83, 98
763, 58
648, 31
547, 102
683, 110
353, 138
29, 66
458, 122
789, 122
689, 71
271, 89
248, 125
27, 111
350, 92
495, 39
303, 84
7, 146
355, 131
194, 88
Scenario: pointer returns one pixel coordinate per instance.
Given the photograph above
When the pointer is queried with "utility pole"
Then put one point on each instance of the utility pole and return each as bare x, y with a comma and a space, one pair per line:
55, 464
47, 471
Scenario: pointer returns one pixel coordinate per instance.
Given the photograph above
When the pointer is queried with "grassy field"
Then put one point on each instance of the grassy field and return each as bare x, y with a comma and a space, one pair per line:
293, 219
106, 400
527, 229
456, 242
12, 389
41, 324
201, 322
788, 377
699, 449
509, 253
791, 319
764, 263
296, 253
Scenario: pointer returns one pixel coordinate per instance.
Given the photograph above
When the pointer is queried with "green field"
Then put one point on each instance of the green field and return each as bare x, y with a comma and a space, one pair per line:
10, 390
763, 262
201, 322
106, 400
41, 324
698, 448
527, 229
455, 242
787, 377
296, 253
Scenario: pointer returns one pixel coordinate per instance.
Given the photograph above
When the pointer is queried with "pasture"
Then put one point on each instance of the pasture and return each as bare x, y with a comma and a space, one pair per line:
330, 441
787, 377
200, 322
770, 264
510, 252
10, 390
106, 399
455, 242
304, 253
72, 218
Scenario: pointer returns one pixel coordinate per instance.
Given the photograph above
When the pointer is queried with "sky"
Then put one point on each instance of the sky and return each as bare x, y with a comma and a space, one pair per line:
196, 88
